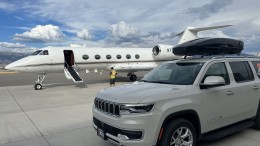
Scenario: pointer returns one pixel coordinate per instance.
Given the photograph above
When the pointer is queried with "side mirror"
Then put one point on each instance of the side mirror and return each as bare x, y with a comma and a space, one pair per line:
212, 81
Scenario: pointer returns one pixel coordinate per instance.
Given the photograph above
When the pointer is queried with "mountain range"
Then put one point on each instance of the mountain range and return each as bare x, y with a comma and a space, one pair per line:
8, 57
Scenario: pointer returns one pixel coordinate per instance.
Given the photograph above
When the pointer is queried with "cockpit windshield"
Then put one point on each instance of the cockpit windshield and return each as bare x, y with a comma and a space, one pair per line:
41, 52
36, 52
178, 73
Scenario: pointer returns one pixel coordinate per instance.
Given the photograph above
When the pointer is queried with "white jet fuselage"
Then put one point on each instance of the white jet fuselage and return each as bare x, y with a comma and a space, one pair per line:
132, 59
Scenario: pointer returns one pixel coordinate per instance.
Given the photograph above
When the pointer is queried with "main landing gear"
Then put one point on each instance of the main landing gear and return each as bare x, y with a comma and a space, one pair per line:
40, 78
132, 76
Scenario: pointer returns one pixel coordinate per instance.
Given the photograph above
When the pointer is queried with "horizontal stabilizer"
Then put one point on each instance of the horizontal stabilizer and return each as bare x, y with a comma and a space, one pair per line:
191, 32
258, 54
208, 28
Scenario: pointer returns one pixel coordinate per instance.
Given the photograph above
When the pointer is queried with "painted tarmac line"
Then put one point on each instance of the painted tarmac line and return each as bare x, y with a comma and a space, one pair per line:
1, 73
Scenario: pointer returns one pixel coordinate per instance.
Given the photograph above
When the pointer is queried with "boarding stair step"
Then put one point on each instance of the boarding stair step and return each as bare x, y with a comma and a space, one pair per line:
74, 75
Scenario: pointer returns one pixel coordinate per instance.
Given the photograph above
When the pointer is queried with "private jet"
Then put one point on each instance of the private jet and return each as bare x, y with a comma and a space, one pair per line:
71, 60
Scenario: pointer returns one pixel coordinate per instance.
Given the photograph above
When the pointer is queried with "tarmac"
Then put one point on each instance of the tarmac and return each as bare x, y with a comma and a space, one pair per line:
60, 114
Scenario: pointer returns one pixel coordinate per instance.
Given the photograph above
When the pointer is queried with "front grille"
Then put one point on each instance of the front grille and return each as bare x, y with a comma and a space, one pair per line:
132, 135
107, 107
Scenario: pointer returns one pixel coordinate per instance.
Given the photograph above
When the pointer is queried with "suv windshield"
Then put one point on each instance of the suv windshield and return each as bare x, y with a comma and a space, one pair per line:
179, 73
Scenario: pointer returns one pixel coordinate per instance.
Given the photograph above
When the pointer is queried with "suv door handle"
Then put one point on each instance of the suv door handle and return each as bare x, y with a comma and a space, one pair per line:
256, 87
229, 92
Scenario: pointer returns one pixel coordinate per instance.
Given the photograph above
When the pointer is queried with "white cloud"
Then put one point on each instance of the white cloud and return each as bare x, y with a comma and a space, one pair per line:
7, 6
147, 21
38, 34
83, 34
19, 18
207, 10
15, 47
125, 35
11, 45
257, 21
122, 32
75, 45
144, 14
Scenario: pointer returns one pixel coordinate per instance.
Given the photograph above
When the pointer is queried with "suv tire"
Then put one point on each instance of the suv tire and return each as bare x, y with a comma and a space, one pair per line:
178, 132
257, 119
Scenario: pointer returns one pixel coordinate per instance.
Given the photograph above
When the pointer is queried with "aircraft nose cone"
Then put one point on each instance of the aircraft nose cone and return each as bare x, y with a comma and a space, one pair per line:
19, 65
15, 66
9, 67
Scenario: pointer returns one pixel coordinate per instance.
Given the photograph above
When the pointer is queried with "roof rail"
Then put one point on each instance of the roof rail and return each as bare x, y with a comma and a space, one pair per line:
218, 56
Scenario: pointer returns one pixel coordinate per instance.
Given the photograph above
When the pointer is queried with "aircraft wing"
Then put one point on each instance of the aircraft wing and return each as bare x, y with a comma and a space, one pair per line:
134, 67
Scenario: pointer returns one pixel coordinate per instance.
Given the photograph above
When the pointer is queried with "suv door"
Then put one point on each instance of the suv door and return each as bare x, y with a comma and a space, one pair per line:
217, 102
256, 66
247, 97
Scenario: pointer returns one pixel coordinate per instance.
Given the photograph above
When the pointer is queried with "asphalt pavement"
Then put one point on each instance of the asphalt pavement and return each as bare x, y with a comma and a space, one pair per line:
60, 114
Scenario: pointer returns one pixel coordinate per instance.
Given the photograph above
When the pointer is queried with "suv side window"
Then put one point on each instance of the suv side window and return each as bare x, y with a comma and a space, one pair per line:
217, 69
241, 71
257, 67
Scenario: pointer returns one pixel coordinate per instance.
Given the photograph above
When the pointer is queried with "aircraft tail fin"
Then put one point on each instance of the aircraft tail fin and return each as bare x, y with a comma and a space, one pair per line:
258, 54
191, 32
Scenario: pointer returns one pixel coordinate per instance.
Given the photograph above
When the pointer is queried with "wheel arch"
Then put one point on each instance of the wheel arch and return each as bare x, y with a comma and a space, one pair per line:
190, 115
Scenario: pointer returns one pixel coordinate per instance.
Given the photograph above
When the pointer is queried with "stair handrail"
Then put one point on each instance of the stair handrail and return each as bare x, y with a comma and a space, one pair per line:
77, 68
67, 64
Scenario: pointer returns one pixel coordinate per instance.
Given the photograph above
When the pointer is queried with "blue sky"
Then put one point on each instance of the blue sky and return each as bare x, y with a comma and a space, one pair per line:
30, 24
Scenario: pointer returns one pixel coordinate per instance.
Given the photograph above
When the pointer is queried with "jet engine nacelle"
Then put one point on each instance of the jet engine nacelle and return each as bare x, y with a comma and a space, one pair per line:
162, 51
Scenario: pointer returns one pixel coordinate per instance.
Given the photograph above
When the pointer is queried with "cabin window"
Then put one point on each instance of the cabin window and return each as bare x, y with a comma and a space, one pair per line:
85, 57
97, 57
137, 56
128, 56
108, 57
118, 56
45, 52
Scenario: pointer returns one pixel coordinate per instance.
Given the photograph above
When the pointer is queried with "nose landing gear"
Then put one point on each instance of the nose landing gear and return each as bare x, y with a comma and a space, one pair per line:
40, 78
38, 86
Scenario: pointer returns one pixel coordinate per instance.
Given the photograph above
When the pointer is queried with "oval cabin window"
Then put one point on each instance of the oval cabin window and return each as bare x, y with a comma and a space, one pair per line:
137, 56
97, 57
108, 57
118, 56
128, 56
85, 57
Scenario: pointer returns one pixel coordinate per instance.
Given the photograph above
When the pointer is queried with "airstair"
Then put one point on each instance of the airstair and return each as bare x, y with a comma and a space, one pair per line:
71, 73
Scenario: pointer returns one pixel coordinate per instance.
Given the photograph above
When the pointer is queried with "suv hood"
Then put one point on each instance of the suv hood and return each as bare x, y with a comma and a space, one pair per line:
134, 93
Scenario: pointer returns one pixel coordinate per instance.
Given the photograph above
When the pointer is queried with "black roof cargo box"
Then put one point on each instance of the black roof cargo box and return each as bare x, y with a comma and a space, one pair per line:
209, 46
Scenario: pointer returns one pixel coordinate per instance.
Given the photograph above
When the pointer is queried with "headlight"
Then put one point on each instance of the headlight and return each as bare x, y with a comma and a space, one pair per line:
126, 109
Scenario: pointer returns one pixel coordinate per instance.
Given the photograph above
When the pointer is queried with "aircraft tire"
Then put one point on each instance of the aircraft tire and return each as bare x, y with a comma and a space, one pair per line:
133, 77
38, 86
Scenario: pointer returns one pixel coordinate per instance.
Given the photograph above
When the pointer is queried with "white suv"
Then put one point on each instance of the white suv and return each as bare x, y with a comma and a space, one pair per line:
181, 102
